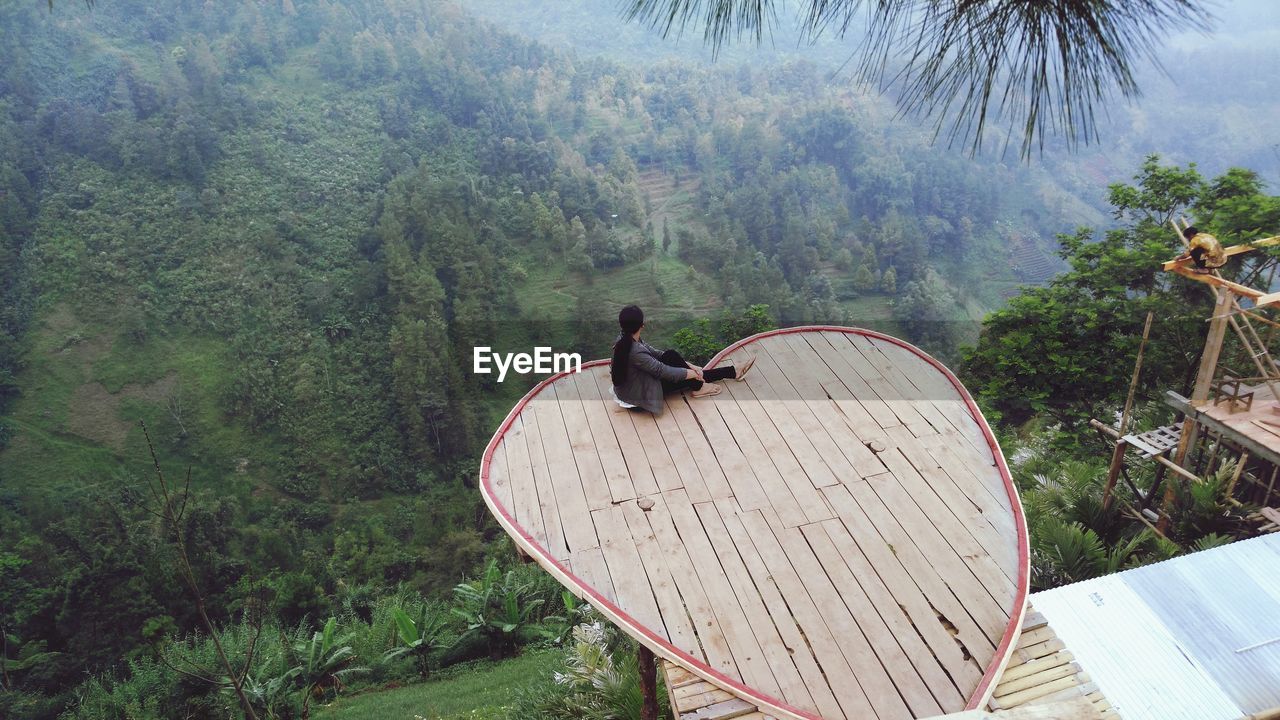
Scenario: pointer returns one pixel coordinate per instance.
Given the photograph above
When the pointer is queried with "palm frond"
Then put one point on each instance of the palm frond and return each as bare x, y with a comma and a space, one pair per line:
1210, 541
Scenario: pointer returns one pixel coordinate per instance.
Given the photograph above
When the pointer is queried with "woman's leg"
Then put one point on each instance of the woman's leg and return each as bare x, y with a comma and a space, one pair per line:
723, 372
674, 359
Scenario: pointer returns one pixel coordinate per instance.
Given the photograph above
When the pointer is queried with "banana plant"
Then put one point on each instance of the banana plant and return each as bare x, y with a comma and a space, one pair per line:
322, 662
268, 688
420, 637
560, 627
496, 608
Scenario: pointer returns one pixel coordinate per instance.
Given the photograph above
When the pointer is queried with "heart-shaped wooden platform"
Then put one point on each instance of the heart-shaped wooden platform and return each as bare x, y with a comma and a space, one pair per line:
837, 536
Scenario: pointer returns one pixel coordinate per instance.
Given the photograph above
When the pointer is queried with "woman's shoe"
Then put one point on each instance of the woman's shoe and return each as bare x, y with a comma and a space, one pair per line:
707, 390
742, 371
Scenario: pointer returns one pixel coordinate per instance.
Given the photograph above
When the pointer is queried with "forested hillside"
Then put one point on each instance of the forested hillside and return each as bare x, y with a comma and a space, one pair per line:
274, 231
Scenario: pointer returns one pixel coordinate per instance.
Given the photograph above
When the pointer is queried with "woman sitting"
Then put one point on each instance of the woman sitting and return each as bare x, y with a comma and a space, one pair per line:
642, 374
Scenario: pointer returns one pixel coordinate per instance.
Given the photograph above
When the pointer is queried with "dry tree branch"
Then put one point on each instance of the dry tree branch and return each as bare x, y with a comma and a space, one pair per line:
202, 673
171, 514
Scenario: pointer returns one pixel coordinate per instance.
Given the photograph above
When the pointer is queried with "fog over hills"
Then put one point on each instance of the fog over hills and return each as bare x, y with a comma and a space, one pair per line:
1210, 99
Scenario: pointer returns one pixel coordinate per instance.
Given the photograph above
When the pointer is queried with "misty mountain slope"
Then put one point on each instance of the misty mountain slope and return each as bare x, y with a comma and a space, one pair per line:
276, 231
1210, 100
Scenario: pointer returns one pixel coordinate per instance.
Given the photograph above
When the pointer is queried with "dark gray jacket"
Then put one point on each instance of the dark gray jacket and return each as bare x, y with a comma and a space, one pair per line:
643, 387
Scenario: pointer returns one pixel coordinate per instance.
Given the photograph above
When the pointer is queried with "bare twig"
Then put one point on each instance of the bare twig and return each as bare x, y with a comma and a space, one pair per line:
202, 673
259, 619
171, 515
5, 682
173, 402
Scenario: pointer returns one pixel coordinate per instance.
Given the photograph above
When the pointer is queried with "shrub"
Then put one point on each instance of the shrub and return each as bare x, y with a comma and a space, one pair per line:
498, 608
599, 680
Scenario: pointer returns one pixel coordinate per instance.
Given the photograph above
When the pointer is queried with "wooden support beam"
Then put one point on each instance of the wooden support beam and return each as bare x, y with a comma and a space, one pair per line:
1117, 457
1137, 515
1166, 462
1215, 281
1229, 251
1113, 472
648, 683
1235, 476
1204, 377
1212, 348
1137, 370
1264, 320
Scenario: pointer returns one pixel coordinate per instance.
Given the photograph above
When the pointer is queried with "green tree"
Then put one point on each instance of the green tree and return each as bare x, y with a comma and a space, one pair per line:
418, 372
322, 663
889, 282
928, 310
863, 280
1066, 349
18, 657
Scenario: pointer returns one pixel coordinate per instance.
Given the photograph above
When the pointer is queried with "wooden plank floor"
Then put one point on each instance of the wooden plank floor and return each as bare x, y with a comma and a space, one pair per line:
832, 538
1260, 423
1041, 671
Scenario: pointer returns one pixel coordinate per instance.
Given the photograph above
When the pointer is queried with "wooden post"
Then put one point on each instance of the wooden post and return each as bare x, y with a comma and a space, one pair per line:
648, 683
1213, 346
1117, 457
1208, 364
1117, 460
1213, 455
1137, 369
1235, 476
1149, 500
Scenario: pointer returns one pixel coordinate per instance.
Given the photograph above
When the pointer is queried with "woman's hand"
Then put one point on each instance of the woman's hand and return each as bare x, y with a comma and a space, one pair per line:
693, 373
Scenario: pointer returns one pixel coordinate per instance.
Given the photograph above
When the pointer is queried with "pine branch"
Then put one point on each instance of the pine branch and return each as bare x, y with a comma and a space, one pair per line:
1041, 65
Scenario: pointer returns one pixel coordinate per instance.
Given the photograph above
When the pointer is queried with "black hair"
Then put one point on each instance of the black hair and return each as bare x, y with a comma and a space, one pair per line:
1190, 232
630, 318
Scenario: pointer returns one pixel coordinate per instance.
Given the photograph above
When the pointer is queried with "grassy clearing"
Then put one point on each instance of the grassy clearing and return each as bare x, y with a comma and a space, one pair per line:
662, 285
471, 691
83, 393
874, 312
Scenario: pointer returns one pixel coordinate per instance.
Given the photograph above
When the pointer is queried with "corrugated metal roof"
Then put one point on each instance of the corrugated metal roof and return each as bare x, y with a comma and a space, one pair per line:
1196, 637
